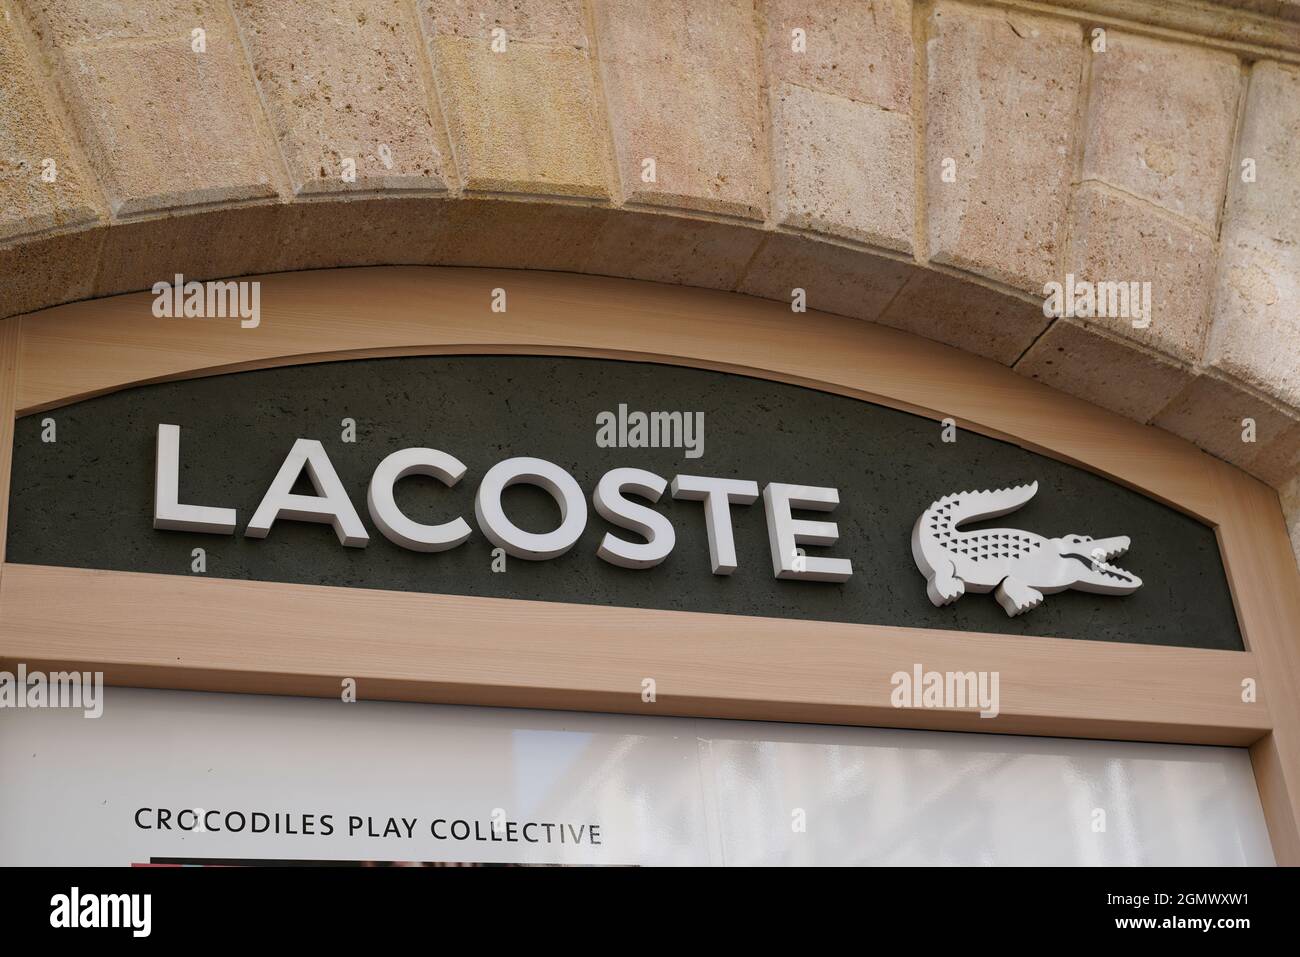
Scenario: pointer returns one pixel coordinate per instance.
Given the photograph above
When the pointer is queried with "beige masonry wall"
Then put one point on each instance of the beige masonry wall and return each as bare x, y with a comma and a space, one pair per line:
926, 165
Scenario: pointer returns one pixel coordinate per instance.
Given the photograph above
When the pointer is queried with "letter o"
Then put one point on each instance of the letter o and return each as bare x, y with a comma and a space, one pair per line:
503, 533
395, 526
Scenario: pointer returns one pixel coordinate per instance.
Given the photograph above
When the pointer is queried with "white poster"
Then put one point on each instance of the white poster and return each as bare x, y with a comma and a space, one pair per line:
166, 778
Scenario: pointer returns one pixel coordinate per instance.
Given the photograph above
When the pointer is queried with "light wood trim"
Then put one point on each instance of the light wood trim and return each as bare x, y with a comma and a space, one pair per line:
1266, 587
88, 348
178, 631
10, 332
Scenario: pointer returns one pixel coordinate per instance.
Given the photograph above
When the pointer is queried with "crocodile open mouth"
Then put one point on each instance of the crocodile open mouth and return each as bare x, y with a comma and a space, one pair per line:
1102, 550
1111, 571
1097, 553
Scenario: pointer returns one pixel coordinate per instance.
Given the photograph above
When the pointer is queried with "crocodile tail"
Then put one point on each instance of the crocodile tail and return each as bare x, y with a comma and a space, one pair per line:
952, 510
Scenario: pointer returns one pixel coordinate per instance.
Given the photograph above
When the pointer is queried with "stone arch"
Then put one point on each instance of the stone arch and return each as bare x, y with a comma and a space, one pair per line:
700, 146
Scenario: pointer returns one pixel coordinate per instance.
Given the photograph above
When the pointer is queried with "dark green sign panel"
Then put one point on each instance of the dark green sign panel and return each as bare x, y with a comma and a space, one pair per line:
86, 499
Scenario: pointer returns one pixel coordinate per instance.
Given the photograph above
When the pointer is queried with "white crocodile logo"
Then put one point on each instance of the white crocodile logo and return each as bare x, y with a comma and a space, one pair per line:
1018, 567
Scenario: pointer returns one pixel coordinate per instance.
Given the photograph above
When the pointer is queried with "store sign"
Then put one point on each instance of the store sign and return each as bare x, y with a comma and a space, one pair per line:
614, 498
594, 481
1018, 566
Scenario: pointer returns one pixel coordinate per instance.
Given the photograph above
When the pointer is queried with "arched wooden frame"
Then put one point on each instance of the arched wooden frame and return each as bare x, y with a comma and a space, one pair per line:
209, 634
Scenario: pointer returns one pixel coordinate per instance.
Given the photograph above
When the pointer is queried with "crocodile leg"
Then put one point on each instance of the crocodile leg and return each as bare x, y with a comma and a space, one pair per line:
1016, 597
945, 587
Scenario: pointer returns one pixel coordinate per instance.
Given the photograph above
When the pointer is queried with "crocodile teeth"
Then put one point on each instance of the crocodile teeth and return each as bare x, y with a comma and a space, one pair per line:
1104, 549
1112, 571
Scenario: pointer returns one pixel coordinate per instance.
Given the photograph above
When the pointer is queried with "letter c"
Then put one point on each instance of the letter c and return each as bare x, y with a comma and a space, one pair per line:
395, 526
